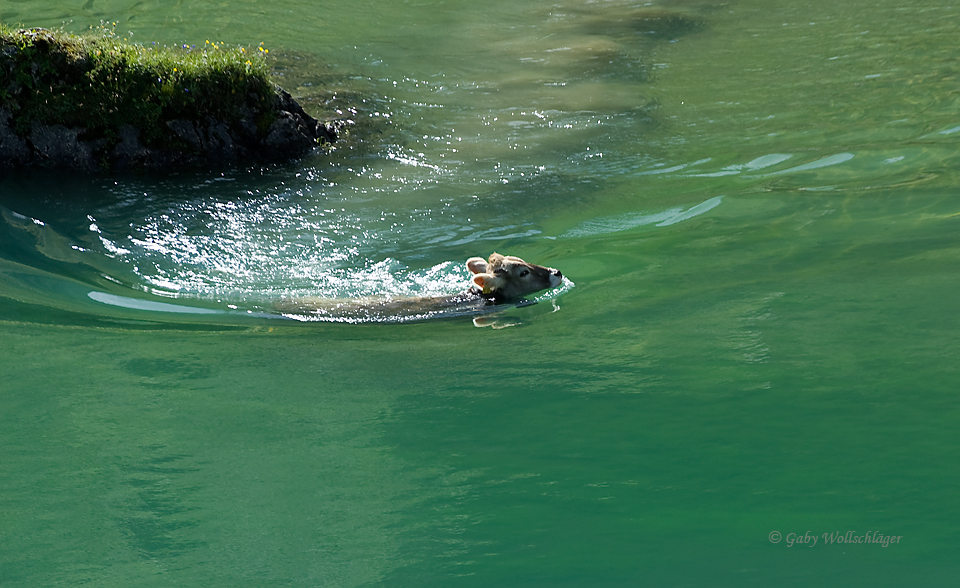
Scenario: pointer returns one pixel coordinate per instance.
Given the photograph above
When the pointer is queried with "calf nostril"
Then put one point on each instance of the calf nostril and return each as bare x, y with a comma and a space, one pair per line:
557, 273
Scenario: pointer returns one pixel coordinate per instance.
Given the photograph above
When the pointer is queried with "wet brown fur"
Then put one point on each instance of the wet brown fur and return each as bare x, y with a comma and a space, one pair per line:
504, 278
496, 280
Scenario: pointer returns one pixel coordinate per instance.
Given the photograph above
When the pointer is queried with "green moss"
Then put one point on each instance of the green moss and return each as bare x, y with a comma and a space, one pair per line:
100, 82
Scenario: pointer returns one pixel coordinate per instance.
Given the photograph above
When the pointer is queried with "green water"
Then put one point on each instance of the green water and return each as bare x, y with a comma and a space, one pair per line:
756, 207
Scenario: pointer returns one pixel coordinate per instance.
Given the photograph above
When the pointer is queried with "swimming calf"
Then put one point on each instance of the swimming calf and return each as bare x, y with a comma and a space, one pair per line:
500, 279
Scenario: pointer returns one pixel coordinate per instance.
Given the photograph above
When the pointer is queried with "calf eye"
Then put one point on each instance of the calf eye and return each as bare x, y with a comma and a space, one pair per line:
524, 273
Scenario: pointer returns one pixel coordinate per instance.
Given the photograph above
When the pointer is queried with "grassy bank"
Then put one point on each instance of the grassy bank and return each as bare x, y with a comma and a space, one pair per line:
99, 82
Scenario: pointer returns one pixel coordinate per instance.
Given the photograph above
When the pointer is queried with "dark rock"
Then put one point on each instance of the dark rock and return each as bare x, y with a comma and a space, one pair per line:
218, 142
14, 151
62, 147
294, 128
286, 132
129, 153
186, 132
190, 143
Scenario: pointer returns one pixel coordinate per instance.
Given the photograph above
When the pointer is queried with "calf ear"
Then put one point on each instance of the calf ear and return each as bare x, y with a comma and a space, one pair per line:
476, 265
487, 282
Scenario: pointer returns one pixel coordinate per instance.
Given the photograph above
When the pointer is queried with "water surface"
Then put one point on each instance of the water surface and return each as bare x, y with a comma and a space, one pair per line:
756, 204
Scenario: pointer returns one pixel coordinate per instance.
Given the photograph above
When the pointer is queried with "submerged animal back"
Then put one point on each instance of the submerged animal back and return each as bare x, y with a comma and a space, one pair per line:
385, 309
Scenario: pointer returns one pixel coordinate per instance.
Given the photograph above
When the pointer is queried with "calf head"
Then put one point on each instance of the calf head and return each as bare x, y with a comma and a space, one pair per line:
503, 278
